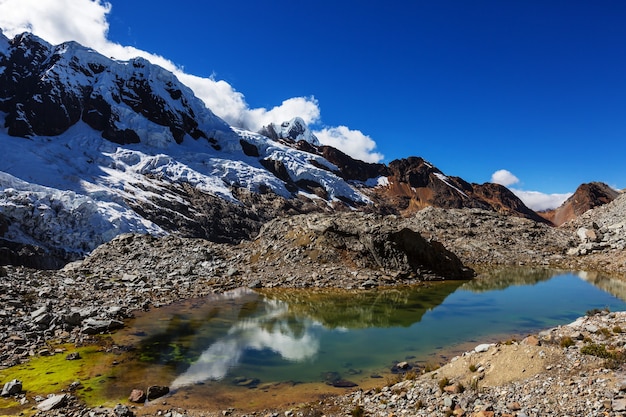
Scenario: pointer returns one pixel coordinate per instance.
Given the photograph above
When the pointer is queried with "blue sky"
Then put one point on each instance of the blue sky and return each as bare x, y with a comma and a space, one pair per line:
535, 88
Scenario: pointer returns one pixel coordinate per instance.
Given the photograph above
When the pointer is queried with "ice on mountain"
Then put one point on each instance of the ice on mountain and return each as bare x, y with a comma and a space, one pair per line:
74, 190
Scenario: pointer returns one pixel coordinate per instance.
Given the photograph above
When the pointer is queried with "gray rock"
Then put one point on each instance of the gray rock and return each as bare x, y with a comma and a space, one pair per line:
619, 404
11, 388
96, 326
484, 347
53, 402
122, 411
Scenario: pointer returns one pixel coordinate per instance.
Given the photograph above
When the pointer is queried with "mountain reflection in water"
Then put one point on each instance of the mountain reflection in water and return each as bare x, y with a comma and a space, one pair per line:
296, 335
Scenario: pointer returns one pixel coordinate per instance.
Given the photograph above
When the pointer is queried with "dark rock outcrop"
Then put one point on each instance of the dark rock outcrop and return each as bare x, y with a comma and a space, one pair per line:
363, 242
45, 90
350, 168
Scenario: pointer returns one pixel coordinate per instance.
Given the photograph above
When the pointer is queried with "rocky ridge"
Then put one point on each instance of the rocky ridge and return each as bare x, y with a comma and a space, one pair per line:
601, 234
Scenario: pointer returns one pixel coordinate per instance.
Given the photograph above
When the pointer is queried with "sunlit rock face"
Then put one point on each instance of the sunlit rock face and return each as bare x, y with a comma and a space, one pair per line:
586, 197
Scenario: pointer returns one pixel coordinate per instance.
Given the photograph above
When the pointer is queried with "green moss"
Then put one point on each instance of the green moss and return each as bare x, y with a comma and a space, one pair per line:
45, 375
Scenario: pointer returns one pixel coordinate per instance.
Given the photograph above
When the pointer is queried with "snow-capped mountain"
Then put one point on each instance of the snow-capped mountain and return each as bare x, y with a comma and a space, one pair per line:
293, 130
93, 147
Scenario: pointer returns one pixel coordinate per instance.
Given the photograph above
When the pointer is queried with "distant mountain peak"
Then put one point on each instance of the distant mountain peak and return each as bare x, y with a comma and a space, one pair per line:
293, 130
586, 197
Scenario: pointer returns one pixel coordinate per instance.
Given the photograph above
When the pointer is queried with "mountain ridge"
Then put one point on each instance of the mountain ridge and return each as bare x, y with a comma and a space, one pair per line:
96, 147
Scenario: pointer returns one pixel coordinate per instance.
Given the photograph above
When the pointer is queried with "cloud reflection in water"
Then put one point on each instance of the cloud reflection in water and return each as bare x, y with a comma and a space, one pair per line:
272, 327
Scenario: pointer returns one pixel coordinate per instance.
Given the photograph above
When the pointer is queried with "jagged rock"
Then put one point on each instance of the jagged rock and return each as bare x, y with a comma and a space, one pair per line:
369, 242
96, 326
76, 316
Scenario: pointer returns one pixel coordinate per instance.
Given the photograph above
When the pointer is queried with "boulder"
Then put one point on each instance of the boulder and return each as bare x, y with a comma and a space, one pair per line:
137, 396
96, 326
156, 391
484, 347
52, 403
11, 388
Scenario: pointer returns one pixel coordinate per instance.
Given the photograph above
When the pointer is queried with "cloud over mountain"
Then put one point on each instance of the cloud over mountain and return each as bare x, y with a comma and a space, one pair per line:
85, 21
534, 199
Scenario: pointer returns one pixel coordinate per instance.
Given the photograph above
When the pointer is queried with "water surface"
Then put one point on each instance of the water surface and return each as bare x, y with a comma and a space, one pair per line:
255, 339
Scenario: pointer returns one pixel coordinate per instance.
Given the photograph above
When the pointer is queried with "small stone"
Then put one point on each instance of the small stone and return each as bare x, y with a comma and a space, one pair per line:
72, 356
453, 389
514, 406
484, 347
530, 341
122, 411
137, 396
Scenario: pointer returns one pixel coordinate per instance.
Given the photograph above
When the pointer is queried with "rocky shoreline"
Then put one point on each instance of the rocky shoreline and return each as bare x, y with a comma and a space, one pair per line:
134, 272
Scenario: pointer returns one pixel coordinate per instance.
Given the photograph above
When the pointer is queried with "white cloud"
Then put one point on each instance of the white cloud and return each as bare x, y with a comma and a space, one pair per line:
85, 21
534, 200
504, 177
351, 142
305, 107
57, 21
540, 201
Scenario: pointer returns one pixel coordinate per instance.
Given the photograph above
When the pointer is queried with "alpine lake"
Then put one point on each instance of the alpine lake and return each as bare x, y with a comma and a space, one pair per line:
253, 349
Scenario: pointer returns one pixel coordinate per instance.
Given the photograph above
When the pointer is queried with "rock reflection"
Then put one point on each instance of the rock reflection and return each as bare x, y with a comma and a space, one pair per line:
359, 309
501, 279
616, 287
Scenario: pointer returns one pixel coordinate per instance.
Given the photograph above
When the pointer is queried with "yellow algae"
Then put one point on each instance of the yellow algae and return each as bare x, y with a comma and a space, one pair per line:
54, 374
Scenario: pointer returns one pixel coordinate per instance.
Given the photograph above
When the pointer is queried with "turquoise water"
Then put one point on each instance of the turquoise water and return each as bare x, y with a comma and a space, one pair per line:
300, 335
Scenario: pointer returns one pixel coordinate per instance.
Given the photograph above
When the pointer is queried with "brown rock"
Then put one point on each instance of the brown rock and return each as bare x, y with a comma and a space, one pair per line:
531, 341
514, 406
453, 389
484, 414
137, 396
